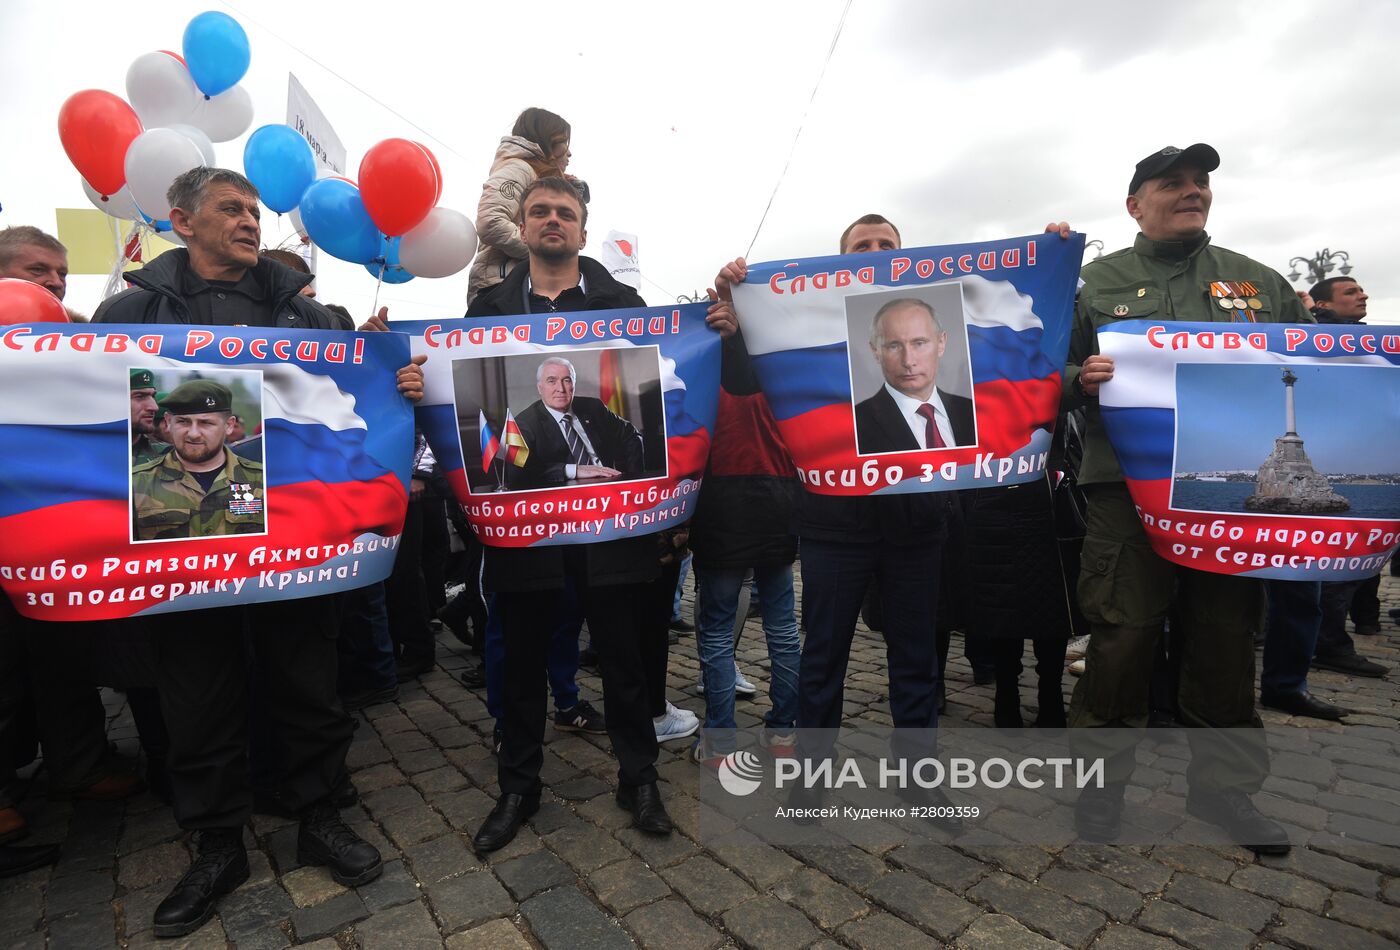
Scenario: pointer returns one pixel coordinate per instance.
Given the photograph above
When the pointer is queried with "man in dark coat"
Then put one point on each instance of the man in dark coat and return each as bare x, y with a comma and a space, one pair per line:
220, 280
909, 412
573, 437
610, 578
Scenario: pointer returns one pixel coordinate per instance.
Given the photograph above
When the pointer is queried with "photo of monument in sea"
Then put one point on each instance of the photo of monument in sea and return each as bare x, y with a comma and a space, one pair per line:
1301, 439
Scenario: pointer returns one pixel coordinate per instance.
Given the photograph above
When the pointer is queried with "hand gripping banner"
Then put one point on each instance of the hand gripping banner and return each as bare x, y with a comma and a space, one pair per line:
570, 428
1268, 451
146, 469
924, 369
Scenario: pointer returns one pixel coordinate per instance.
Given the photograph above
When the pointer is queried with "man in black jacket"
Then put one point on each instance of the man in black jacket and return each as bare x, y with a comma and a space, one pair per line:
609, 577
220, 280
573, 437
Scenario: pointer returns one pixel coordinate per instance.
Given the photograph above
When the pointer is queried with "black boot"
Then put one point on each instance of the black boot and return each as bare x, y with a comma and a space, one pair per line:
219, 867
21, 859
1098, 814
1235, 812
324, 839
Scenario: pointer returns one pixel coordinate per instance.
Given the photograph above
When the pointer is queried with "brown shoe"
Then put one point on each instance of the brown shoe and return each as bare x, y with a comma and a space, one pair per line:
109, 788
12, 825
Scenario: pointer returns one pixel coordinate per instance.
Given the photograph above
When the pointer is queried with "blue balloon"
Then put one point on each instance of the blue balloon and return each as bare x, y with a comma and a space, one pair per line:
216, 52
280, 162
388, 260
337, 221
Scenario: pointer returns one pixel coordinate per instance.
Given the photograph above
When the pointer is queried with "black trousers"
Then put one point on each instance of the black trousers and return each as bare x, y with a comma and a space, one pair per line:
656, 625
615, 616
203, 664
406, 592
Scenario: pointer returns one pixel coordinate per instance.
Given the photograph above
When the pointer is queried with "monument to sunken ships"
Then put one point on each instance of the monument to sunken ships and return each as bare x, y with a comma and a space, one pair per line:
1288, 484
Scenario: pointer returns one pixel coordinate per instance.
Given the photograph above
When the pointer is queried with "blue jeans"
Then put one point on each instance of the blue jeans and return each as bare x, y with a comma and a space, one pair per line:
716, 602
680, 584
561, 662
365, 646
1295, 617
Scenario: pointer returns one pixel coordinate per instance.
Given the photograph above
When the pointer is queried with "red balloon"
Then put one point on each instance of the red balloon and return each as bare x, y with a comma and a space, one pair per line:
398, 185
23, 302
96, 127
436, 169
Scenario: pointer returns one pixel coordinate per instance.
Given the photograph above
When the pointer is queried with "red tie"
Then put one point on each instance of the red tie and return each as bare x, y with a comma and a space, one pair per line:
931, 436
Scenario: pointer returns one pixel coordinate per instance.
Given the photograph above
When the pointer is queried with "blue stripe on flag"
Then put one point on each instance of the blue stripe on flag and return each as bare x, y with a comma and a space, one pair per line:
798, 381
1144, 440
294, 453
69, 463
1004, 353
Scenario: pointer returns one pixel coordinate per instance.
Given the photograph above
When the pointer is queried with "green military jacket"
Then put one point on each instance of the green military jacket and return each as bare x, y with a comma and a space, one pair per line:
168, 502
1164, 280
146, 448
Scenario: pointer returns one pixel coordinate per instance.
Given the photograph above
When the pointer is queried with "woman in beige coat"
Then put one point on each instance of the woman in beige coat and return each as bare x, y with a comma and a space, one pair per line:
538, 146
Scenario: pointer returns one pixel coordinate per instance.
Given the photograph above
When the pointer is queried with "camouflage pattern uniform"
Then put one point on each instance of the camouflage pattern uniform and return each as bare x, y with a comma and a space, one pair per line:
170, 503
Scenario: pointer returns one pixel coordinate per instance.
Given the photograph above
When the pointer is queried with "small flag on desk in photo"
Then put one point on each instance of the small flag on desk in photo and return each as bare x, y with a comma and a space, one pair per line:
610, 382
515, 448
490, 445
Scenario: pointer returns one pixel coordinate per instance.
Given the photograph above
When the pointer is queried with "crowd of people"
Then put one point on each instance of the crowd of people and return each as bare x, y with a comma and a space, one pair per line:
246, 708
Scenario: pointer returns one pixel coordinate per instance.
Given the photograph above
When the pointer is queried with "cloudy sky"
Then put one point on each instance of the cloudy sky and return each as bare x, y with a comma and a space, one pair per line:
960, 121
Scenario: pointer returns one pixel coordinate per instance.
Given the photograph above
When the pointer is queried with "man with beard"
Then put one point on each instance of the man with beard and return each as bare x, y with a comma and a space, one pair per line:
199, 489
145, 444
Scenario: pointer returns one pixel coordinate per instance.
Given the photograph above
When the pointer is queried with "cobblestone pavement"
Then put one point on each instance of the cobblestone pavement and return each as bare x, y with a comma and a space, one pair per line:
579, 878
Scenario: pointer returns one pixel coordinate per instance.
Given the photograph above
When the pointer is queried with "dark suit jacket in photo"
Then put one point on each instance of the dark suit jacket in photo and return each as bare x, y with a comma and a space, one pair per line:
615, 441
880, 426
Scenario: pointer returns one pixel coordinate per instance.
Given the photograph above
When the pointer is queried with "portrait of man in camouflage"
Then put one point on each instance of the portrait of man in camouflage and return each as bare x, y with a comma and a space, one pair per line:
198, 487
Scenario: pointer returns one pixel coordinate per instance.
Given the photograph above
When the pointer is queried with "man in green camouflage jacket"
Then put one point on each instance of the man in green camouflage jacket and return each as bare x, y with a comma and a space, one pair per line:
199, 489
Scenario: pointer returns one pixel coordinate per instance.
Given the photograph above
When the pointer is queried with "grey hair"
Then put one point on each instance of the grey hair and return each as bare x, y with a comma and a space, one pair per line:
899, 302
559, 360
188, 190
24, 235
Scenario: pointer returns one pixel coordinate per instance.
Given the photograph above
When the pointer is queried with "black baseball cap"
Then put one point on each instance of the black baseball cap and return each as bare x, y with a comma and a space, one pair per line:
1158, 163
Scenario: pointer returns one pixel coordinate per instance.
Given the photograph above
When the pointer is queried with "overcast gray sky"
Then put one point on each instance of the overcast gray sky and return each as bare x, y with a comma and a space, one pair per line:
960, 121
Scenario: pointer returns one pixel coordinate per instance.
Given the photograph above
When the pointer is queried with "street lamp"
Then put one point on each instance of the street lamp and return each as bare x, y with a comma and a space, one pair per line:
1320, 265
697, 298
1098, 247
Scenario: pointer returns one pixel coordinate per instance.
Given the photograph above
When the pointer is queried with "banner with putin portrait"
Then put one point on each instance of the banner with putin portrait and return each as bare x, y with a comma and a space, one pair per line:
1265, 450
147, 469
571, 428
923, 369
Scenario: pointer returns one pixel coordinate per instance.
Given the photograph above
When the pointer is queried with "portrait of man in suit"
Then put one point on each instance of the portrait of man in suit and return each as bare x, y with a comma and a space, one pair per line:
910, 412
572, 438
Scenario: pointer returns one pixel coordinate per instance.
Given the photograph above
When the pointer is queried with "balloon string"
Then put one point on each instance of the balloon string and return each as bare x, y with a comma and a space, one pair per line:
374, 310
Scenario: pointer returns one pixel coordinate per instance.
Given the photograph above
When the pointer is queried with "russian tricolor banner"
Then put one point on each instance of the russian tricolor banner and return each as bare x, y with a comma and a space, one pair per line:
605, 419
146, 469
1261, 450
924, 369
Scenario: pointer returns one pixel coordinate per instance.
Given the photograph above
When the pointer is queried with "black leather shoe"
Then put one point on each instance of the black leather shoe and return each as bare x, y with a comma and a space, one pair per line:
407, 670
644, 802
1350, 663
1303, 703
325, 839
1234, 812
19, 860
1098, 814
474, 677
499, 828
220, 866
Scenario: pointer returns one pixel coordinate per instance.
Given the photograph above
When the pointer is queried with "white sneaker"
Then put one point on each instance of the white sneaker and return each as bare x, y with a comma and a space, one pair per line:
742, 687
1077, 668
676, 724
1077, 648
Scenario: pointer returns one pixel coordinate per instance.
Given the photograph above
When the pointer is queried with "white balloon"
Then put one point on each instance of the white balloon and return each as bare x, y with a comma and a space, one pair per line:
295, 214
197, 136
224, 117
154, 159
439, 247
121, 205
161, 90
